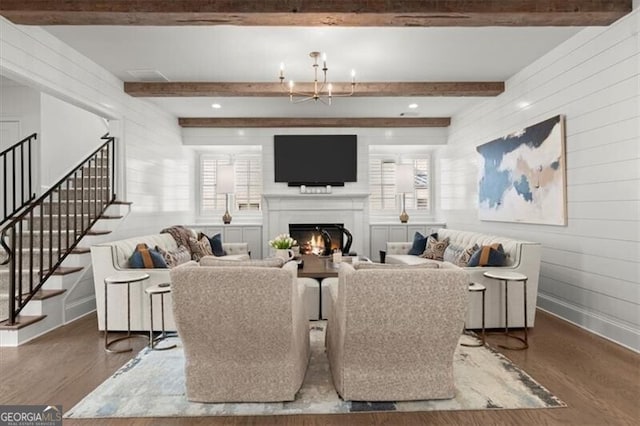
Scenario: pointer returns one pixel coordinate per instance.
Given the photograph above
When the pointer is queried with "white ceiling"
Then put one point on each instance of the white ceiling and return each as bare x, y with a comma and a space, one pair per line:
239, 54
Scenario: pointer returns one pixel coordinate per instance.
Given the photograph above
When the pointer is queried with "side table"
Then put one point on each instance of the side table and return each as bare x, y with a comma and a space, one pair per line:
505, 277
160, 289
478, 288
121, 278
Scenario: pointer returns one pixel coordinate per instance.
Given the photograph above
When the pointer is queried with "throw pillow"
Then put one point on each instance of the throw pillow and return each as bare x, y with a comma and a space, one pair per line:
459, 255
144, 257
464, 258
435, 249
492, 255
419, 243
175, 257
452, 253
216, 245
200, 248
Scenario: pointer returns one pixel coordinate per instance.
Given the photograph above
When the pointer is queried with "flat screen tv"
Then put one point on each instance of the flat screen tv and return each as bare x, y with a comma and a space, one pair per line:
316, 159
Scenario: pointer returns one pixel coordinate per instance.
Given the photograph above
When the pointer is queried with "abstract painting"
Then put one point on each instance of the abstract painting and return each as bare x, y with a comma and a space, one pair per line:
522, 176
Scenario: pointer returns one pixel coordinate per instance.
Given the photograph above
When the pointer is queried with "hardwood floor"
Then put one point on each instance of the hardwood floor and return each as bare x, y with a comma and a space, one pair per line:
599, 381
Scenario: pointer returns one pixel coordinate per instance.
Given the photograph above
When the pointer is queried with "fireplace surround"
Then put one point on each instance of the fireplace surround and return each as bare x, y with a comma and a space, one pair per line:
281, 209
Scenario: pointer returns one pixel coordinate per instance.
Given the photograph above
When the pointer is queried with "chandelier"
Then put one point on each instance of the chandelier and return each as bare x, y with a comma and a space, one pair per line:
322, 91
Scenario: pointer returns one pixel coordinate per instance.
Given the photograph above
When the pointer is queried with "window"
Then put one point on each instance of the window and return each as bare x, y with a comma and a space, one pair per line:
382, 184
248, 183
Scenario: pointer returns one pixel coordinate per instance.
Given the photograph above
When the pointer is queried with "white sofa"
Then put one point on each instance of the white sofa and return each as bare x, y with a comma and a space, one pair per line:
110, 258
523, 257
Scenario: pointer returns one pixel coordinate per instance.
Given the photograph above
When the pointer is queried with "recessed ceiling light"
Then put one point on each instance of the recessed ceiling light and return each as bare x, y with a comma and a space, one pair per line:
216, 106
413, 106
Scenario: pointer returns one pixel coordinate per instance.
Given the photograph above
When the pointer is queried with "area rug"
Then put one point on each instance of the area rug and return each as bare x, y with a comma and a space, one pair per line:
152, 385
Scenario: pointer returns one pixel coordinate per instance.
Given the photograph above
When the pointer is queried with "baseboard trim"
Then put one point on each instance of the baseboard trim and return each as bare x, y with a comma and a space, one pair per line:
606, 328
79, 308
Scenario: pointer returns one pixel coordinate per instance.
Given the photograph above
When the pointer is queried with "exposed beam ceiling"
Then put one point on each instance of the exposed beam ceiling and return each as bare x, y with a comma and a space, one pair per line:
313, 122
410, 13
382, 89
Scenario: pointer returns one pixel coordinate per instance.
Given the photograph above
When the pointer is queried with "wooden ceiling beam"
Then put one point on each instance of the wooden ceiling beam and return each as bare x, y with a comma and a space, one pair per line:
314, 122
381, 89
354, 13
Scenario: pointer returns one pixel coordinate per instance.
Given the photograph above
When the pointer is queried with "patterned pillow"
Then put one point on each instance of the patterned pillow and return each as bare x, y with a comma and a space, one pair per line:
144, 257
435, 249
465, 257
459, 255
452, 253
175, 257
200, 248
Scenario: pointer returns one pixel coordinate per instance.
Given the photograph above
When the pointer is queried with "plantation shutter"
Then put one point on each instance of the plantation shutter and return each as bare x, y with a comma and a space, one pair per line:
382, 185
210, 200
248, 184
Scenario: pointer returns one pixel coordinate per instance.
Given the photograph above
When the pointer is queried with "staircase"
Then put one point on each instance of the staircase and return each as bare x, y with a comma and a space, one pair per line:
45, 270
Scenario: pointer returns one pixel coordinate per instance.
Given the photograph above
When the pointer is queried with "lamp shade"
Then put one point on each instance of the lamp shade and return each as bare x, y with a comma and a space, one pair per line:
404, 178
225, 179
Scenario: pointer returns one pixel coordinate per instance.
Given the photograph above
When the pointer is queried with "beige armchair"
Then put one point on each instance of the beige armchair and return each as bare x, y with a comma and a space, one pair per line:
392, 333
245, 335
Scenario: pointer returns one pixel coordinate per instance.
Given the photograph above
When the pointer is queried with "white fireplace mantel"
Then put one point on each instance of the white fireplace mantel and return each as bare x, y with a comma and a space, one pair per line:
351, 209
276, 202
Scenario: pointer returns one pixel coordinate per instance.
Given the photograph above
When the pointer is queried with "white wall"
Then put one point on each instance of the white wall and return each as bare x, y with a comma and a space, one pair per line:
22, 104
264, 137
590, 270
156, 171
68, 135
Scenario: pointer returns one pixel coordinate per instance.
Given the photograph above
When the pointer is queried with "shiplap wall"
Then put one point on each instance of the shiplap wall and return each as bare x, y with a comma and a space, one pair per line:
590, 268
156, 169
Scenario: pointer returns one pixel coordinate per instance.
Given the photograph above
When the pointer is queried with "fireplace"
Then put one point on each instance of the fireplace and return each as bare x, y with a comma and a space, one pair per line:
310, 238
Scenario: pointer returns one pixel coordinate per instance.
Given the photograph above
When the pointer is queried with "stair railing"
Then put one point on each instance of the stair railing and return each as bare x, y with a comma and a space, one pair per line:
30, 257
17, 173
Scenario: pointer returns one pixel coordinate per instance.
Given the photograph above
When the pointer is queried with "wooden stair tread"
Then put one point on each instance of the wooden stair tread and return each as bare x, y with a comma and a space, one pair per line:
98, 232
21, 322
108, 216
46, 294
66, 270
81, 250
126, 203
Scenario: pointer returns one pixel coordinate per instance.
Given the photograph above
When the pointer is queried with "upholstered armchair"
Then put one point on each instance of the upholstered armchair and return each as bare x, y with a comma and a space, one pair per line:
244, 331
392, 333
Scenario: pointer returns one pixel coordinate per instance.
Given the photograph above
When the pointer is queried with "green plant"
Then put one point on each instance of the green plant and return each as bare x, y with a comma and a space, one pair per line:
283, 241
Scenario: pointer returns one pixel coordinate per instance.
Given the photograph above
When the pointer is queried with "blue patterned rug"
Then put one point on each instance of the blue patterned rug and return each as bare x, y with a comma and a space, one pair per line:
152, 385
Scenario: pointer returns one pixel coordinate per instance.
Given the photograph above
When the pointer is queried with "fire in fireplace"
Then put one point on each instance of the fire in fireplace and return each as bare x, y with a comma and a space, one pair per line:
310, 238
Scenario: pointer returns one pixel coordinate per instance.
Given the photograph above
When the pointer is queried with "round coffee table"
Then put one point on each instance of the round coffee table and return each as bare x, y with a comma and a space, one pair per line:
160, 289
477, 288
505, 277
121, 278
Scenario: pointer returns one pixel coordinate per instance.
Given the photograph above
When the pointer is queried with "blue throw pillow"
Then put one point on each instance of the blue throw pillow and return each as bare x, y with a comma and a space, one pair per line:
216, 245
492, 255
144, 257
420, 243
